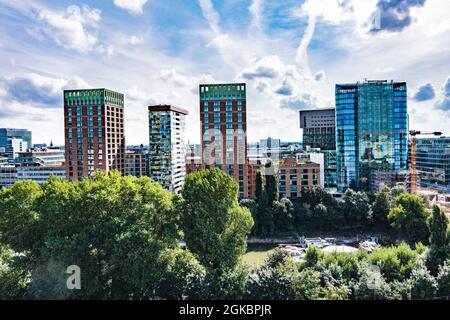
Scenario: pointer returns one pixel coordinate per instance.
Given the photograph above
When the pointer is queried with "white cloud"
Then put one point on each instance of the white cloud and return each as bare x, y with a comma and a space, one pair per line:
174, 78
255, 10
40, 89
132, 6
69, 29
210, 14
266, 67
319, 76
134, 40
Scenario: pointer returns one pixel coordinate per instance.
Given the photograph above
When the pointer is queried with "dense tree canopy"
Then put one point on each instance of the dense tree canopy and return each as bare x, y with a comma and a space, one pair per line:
125, 233
215, 226
409, 216
114, 228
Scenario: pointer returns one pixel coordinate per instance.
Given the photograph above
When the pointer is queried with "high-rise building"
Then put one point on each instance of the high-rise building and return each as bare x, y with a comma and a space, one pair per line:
433, 163
94, 132
6, 134
167, 146
319, 133
371, 130
319, 127
223, 109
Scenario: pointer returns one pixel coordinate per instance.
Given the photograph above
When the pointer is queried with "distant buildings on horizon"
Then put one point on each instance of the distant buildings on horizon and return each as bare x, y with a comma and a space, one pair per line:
361, 144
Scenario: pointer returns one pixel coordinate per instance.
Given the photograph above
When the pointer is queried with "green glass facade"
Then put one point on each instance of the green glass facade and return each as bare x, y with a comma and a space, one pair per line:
371, 131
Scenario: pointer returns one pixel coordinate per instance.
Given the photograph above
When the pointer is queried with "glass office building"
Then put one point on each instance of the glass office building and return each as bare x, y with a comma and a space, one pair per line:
433, 163
11, 139
319, 132
371, 130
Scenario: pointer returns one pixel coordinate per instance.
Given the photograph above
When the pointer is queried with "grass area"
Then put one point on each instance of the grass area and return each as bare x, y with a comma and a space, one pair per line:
257, 253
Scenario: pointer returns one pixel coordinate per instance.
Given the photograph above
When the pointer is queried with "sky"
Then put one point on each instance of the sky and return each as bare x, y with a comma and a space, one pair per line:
290, 53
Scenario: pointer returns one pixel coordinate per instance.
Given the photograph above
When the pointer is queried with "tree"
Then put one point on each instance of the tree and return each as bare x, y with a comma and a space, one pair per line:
409, 216
266, 225
357, 210
258, 186
215, 226
114, 228
179, 271
267, 283
307, 285
395, 263
438, 252
230, 284
423, 284
251, 205
313, 256
317, 210
439, 228
13, 282
371, 285
443, 280
271, 186
283, 214
381, 207
277, 257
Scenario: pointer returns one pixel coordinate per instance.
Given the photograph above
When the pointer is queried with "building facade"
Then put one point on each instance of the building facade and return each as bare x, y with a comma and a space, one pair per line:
433, 163
371, 131
294, 176
40, 174
167, 146
94, 132
8, 176
319, 133
48, 156
223, 118
14, 147
11, 133
136, 163
319, 127
392, 179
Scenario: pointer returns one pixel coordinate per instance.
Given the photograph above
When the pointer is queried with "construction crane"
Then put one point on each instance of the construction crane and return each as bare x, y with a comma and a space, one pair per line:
414, 134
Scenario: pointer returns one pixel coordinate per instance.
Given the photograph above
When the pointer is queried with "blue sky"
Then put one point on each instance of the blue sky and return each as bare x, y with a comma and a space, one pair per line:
291, 53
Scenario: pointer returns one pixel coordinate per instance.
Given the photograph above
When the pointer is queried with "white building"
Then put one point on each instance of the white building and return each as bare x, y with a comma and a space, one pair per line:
167, 146
15, 145
50, 156
40, 174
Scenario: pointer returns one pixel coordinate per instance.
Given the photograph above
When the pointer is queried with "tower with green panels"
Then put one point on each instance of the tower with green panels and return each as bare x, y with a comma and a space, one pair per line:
94, 132
167, 146
371, 131
223, 118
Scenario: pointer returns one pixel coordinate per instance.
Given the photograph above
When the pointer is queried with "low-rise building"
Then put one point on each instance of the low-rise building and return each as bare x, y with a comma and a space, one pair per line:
136, 163
8, 176
294, 176
40, 174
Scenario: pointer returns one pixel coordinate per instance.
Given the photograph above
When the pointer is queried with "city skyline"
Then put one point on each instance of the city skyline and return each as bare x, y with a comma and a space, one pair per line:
159, 52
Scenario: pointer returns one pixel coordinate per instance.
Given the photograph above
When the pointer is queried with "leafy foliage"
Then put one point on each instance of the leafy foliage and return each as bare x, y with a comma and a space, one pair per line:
215, 226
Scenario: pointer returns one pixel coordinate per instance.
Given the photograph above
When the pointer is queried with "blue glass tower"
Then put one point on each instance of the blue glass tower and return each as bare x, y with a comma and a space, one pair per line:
371, 131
